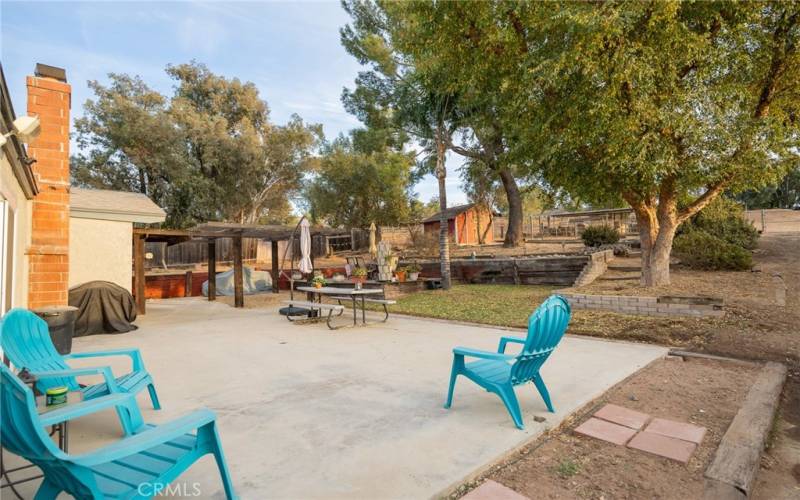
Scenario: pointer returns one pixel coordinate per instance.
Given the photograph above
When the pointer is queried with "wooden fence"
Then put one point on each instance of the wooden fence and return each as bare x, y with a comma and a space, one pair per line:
196, 252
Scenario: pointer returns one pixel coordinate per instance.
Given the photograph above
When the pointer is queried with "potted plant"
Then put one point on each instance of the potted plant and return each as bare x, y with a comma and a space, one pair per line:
400, 272
413, 271
318, 281
359, 275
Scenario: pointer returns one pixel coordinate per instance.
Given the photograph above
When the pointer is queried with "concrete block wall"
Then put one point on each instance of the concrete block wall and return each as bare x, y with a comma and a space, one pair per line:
597, 265
648, 306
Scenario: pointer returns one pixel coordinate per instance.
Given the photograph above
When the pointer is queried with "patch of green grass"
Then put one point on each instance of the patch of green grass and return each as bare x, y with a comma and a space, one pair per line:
567, 468
504, 305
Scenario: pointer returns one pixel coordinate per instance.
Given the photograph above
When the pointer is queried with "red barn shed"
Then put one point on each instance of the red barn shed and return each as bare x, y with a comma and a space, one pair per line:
467, 224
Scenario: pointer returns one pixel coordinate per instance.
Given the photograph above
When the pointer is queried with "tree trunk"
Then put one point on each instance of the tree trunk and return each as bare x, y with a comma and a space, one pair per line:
514, 235
656, 232
444, 236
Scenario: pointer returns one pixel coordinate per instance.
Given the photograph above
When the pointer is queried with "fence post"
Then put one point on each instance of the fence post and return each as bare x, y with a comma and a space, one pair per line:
275, 270
763, 222
212, 269
187, 284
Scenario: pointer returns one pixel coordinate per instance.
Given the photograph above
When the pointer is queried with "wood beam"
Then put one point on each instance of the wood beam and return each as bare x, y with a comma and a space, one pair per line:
212, 269
275, 270
238, 275
187, 284
138, 272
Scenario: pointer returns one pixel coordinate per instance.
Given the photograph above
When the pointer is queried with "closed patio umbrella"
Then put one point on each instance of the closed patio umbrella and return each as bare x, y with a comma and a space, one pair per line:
305, 248
373, 248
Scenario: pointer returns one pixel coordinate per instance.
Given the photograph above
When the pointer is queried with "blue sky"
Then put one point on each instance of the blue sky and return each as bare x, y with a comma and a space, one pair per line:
290, 50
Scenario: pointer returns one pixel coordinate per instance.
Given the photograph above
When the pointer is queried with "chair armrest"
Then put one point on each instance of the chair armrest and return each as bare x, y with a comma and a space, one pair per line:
501, 348
476, 353
78, 372
77, 410
134, 354
146, 439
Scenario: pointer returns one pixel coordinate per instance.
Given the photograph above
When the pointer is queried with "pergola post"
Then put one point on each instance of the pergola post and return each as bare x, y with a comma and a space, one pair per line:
275, 270
212, 269
138, 272
238, 278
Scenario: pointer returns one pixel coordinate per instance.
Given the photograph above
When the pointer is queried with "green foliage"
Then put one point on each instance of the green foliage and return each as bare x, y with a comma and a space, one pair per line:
354, 188
360, 272
208, 152
783, 194
724, 218
701, 250
630, 94
595, 236
413, 268
567, 468
318, 279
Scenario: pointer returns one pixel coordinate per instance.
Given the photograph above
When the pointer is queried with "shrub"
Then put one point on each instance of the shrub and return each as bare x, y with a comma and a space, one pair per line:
724, 218
701, 250
595, 236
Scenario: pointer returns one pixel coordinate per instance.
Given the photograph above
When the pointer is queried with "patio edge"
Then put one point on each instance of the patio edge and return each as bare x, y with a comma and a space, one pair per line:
587, 409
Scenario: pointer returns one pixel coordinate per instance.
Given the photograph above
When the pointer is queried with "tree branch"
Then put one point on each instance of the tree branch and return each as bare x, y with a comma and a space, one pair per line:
464, 151
712, 192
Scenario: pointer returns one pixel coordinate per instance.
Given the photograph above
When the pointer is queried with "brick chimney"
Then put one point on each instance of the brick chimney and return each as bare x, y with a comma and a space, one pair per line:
49, 99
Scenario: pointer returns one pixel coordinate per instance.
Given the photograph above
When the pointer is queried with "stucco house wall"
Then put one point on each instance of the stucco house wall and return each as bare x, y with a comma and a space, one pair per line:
100, 250
15, 205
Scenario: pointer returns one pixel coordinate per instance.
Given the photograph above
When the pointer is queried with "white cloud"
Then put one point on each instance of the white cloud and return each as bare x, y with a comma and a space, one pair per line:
201, 35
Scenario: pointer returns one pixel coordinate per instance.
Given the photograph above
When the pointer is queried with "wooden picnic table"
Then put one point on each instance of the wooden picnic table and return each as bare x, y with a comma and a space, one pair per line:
352, 293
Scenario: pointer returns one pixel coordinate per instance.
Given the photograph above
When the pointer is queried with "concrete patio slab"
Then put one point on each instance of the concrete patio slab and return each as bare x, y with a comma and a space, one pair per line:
305, 412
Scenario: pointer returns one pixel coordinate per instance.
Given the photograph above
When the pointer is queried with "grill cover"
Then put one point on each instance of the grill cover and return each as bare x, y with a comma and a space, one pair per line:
103, 307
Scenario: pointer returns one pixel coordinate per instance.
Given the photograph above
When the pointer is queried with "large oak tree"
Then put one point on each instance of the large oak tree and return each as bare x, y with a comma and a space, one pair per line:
208, 152
665, 105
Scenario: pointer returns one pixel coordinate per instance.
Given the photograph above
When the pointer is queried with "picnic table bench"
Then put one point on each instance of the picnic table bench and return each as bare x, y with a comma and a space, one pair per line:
341, 294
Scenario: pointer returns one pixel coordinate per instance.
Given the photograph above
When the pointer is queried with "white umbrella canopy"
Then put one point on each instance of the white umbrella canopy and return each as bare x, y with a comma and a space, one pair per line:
305, 248
373, 248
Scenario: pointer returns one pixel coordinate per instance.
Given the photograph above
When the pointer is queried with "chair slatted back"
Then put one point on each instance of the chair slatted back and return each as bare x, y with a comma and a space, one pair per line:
546, 327
26, 341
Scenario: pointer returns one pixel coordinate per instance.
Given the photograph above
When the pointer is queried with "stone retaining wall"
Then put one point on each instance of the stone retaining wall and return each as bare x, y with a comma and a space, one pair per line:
648, 306
597, 265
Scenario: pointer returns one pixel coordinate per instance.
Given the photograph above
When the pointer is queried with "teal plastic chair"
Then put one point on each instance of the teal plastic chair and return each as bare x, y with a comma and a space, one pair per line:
139, 466
26, 341
499, 372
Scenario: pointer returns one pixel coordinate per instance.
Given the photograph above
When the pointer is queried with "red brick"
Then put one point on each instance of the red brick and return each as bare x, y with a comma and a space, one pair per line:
675, 449
48, 84
37, 277
50, 267
491, 490
678, 430
48, 112
623, 416
606, 431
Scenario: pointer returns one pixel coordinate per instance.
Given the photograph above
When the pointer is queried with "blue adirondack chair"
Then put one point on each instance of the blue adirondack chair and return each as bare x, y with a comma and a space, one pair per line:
499, 372
26, 341
138, 466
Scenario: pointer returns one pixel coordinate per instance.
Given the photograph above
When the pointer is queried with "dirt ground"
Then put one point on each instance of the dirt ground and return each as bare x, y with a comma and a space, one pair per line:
566, 465
757, 327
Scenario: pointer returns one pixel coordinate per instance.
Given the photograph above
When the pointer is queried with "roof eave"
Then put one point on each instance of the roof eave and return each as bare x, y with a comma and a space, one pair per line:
116, 215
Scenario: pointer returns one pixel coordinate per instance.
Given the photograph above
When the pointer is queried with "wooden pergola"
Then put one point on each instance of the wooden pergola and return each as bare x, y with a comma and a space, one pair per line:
211, 232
